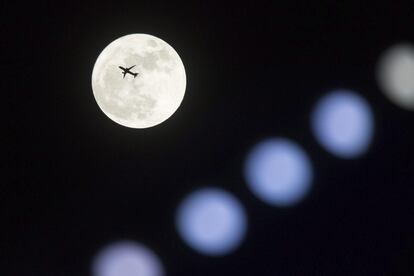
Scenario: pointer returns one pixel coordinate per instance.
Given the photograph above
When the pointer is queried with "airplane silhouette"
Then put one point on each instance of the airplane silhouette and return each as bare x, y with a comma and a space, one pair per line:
127, 71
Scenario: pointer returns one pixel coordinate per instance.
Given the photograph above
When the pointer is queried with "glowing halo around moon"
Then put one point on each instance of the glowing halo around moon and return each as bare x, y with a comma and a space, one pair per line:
153, 95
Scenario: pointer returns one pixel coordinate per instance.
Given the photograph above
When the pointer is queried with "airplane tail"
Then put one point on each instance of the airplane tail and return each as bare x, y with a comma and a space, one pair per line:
135, 74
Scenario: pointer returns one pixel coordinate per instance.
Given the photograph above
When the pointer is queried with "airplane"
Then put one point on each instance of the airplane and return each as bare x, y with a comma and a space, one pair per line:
127, 71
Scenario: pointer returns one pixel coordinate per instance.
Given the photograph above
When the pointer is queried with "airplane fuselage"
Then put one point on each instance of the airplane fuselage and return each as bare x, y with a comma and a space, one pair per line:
127, 71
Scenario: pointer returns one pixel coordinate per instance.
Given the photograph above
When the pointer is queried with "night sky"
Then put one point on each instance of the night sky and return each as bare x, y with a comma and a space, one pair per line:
74, 181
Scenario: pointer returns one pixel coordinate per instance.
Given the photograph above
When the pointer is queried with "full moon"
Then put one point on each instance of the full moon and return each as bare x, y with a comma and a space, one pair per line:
146, 94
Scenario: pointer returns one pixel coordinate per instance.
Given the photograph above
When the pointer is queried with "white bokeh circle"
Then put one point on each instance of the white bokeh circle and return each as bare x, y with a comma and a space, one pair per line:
126, 258
279, 172
342, 122
211, 221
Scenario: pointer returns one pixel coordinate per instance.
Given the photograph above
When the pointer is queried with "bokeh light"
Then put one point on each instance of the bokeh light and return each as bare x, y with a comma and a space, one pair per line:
342, 123
211, 221
395, 75
126, 258
279, 172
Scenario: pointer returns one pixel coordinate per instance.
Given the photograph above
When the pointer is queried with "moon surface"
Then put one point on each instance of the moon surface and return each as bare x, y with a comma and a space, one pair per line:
153, 95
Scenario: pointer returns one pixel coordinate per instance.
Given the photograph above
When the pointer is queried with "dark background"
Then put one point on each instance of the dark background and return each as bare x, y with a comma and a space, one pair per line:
74, 181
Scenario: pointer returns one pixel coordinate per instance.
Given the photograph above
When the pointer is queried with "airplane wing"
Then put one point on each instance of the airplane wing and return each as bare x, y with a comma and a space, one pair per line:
131, 67
124, 74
